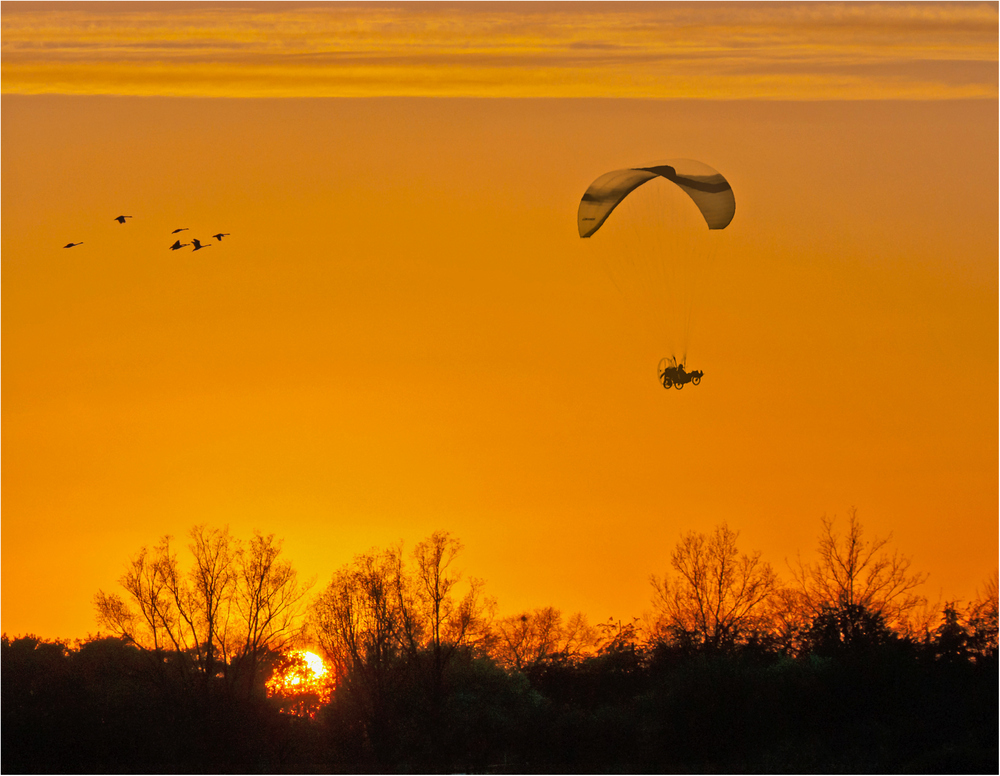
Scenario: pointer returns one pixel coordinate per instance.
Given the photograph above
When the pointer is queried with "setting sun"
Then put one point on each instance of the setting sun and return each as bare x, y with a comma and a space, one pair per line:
315, 663
301, 679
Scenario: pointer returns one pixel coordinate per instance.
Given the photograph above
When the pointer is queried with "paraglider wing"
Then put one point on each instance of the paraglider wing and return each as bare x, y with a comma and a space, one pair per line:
603, 196
710, 191
706, 187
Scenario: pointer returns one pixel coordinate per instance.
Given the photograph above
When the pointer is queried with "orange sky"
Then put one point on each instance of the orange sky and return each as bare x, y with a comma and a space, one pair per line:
650, 50
404, 332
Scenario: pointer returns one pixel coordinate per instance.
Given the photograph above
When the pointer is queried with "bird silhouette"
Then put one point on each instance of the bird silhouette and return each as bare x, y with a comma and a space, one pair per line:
120, 219
220, 235
198, 246
182, 229
73, 245
178, 245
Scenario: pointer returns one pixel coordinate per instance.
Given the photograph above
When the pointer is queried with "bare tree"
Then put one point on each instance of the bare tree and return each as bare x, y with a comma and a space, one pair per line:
715, 596
531, 638
357, 622
854, 571
356, 619
386, 625
433, 618
232, 606
789, 619
270, 604
212, 581
163, 618
379, 605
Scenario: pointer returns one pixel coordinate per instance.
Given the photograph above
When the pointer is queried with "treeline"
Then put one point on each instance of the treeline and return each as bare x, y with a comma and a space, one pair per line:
843, 667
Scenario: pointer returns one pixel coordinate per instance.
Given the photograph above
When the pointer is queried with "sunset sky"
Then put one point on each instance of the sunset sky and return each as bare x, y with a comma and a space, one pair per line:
404, 332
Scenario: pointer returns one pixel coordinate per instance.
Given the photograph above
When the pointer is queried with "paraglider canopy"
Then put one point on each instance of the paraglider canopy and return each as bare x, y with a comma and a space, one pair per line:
705, 186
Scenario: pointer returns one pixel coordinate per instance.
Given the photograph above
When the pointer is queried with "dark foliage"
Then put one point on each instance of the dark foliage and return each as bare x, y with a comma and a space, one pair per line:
858, 698
105, 706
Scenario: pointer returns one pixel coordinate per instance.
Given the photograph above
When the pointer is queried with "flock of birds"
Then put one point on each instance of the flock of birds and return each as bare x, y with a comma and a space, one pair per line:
198, 245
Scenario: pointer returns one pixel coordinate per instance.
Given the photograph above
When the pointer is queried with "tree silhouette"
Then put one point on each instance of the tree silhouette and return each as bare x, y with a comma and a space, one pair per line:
221, 618
527, 639
356, 618
357, 621
433, 618
856, 572
982, 620
715, 596
269, 603
436, 624
392, 630
735, 674
847, 629
951, 639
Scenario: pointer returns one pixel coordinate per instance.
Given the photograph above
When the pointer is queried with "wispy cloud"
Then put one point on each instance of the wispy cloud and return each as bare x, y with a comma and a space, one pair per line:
715, 50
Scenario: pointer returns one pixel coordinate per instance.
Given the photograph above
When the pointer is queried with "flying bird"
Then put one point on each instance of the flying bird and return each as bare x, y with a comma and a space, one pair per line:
220, 235
178, 245
72, 245
198, 246
120, 219
182, 229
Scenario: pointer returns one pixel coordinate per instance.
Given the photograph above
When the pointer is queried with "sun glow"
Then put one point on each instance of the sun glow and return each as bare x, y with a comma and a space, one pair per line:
315, 663
301, 682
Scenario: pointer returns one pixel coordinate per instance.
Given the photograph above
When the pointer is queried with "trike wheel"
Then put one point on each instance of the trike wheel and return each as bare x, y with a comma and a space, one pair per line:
695, 380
